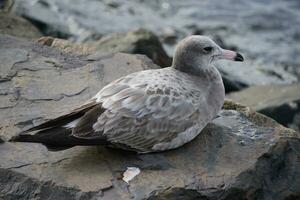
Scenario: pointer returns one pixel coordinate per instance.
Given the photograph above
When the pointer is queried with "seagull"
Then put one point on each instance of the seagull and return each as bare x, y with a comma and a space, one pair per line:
147, 111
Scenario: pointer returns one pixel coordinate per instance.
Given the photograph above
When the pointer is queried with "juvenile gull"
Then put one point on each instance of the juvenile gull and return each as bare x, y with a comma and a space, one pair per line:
146, 111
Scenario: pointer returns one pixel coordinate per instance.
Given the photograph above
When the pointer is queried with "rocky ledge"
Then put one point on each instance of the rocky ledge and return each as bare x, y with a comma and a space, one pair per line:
280, 102
240, 155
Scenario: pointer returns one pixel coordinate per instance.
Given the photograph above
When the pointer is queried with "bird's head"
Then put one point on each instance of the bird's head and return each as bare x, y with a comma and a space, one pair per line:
197, 52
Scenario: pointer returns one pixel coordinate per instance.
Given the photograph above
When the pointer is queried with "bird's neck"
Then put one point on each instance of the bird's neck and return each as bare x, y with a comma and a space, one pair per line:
190, 64
192, 69
208, 73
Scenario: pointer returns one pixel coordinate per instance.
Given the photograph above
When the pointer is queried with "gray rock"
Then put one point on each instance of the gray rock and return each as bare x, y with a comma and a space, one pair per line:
240, 155
238, 76
6, 5
140, 41
295, 124
17, 26
281, 103
66, 46
31, 74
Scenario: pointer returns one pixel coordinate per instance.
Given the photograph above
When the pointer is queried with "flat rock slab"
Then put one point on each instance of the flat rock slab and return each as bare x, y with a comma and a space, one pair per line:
280, 102
240, 155
139, 41
38, 83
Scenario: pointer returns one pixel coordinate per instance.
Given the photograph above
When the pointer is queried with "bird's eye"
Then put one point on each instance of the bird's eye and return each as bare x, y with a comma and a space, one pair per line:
208, 49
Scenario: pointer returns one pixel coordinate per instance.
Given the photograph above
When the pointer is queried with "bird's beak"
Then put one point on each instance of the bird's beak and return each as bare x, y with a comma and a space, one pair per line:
230, 55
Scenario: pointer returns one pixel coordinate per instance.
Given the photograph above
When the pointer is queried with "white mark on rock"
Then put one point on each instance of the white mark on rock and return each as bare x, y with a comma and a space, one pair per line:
130, 173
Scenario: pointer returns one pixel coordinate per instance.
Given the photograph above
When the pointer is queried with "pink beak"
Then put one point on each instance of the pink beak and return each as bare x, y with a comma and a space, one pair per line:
231, 55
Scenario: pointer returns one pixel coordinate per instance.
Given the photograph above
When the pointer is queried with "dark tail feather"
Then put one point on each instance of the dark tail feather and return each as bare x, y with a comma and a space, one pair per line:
57, 139
32, 138
64, 119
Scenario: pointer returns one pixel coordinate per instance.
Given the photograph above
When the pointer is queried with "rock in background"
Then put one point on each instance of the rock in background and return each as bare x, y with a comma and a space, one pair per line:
6, 5
237, 76
66, 46
144, 42
281, 103
240, 155
267, 32
140, 41
17, 26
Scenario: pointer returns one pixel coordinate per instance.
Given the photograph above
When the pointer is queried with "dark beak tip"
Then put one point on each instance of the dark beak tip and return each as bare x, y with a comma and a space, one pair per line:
239, 57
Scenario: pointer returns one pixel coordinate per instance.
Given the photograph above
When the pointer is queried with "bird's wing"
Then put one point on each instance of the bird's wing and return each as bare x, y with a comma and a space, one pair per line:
138, 115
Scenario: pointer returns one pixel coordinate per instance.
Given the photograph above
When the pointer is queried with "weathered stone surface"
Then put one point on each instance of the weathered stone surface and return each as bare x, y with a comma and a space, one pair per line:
38, 82
140, 41
240, 155
238, 76
281, 103
66, 46
17, 26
